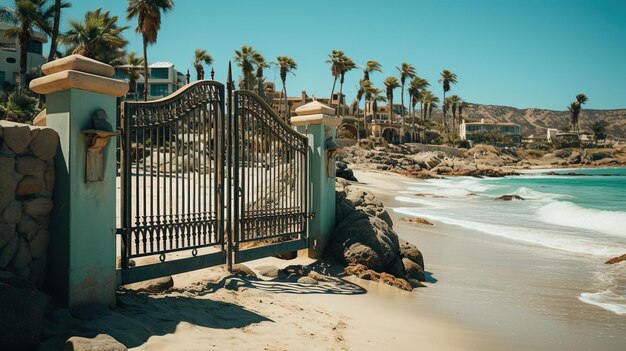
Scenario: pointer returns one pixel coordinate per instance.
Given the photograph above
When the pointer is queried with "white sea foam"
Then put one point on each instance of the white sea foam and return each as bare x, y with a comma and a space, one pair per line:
606, 299
530, 194
538, 237
568, 214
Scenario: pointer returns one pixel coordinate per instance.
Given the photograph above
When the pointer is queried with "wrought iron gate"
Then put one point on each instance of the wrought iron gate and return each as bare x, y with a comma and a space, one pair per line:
208, 176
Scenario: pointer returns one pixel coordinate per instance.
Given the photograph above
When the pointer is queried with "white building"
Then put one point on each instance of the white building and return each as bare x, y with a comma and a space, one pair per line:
10, 54
163, 80
551, 133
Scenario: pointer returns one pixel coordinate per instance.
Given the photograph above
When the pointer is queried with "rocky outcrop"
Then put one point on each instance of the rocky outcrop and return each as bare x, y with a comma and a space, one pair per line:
509, 197
342, 171
364, 238
617, 259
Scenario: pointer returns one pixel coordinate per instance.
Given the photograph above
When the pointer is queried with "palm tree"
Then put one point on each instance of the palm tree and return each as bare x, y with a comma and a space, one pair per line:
336, 60
599, 130
406, 71
376, 95
131, 65
55, 12
148, 13
200, 58
19, 107
391, 83
416, 89
447, 78
432, 104
29, 16
98, 37
245, 59
286, 65
370, 67
575, 108
261, 64
581, 99
454, 101
347, 65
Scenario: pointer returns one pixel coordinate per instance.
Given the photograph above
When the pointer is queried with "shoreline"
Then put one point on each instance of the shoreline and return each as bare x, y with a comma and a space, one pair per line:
505, 288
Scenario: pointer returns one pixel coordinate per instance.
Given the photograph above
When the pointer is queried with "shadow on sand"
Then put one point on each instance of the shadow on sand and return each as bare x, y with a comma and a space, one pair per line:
139, 317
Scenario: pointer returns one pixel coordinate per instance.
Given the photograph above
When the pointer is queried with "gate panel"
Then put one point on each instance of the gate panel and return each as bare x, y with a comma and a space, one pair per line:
172, 180
270, 175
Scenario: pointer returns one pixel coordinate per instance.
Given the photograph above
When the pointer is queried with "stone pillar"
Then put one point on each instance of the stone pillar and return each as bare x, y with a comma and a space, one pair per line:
81, 255
318, 123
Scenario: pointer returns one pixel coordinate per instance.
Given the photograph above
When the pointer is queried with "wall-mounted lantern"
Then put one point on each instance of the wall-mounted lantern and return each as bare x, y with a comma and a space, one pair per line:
97, 140
331, 150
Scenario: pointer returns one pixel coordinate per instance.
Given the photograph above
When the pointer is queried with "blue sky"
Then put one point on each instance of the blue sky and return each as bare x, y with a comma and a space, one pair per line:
531, 53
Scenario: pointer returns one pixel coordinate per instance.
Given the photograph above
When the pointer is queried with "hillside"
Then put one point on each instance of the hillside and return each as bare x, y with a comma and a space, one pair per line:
536, 121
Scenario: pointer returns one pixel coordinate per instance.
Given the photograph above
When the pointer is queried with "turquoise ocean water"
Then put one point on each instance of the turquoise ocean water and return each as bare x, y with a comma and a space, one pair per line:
582, 215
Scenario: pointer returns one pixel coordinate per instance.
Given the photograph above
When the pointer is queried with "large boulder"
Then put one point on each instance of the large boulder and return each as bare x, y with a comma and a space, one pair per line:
364, 239
410, 251
342, 171
350, 200
21, 315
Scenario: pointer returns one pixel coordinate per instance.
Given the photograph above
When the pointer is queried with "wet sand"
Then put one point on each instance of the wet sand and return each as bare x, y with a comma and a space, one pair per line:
521, 296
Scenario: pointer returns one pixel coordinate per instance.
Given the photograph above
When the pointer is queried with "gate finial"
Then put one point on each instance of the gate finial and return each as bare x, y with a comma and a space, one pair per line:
229, 80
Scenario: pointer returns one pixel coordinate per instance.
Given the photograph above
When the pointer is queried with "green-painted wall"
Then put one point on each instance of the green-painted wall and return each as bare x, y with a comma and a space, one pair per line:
81, 259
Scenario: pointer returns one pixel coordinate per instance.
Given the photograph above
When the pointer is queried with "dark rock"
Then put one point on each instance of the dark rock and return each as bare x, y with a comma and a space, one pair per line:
617, 259
288, 256
367, 240
307, 280
44, 144
296, 270
243, 271
342, 171
17, 138
29, 165
410, 251
234, 284
7, 232
152, 286
22, 257
509, 197
413, 270
8, 251
12, 212
271, 272
39, 206
396, 268
101, 342
29, 185
21, 316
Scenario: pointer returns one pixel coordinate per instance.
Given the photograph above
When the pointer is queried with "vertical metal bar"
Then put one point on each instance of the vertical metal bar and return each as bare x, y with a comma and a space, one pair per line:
229, 97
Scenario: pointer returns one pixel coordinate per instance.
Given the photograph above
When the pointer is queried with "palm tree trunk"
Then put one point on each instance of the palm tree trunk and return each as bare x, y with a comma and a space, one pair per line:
145, 70
330, 98
402, 114
443, 116
340, 95
286, 102
55, 30
24, 39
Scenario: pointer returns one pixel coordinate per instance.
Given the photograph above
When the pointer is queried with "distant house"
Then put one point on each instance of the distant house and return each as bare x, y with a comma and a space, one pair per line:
163, 80
10, 53
467, 130
277, 101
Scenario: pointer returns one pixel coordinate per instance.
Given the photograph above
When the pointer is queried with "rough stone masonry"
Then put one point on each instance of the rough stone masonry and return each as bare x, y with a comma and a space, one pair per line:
26, 184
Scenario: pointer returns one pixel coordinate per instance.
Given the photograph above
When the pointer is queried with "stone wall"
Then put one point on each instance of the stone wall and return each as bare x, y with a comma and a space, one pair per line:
26, 184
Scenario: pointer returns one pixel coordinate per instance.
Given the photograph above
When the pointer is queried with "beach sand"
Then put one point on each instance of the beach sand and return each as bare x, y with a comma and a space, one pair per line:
522, 296
484, 293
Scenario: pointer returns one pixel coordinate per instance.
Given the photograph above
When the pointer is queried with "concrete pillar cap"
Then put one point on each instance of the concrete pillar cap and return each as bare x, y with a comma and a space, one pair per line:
78, 63
314, 108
